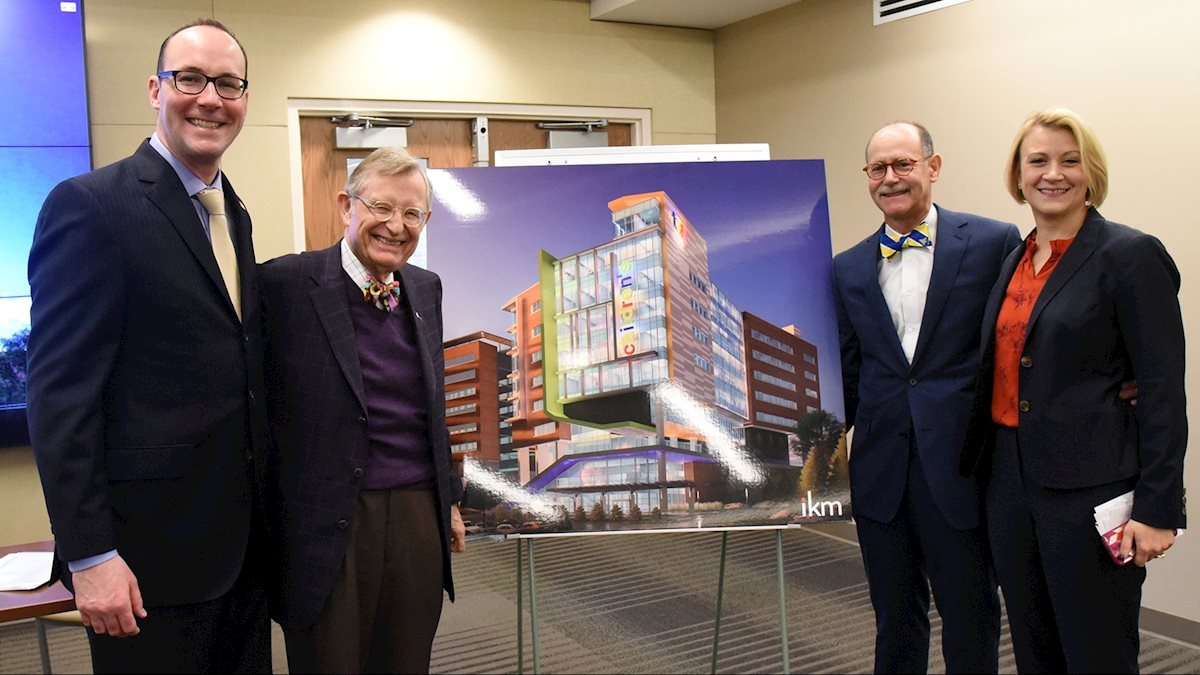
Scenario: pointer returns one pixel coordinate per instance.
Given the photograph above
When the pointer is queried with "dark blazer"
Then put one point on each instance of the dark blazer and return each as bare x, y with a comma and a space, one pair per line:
145, 407
1108, 313
885, 396
319, 426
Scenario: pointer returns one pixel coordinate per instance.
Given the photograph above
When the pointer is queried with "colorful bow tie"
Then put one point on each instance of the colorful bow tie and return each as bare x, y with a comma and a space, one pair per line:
385, 296
890, 245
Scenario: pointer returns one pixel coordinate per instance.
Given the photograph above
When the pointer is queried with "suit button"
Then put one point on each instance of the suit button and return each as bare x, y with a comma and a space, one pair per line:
912, 382
251, 394
1024, 406
249, 456
245, 338
358, 472
342, 524
1026, 361
362, 419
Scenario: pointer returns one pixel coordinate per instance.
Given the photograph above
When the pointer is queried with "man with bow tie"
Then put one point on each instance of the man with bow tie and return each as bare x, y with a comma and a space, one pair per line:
363, 496
910, 301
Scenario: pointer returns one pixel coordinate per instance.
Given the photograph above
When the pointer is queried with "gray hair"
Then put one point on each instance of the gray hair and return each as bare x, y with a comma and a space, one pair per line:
389, 161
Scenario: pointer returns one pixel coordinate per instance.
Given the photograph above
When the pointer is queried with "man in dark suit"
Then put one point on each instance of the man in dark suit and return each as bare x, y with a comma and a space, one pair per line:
363, 495
145, 382
910, 299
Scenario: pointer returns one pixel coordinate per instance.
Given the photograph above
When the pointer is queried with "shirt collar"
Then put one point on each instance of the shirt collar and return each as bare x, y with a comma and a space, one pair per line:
191, 182
354, 268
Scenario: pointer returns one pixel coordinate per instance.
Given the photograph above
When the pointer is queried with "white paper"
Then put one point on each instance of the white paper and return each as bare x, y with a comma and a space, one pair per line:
26, 570
1114, 512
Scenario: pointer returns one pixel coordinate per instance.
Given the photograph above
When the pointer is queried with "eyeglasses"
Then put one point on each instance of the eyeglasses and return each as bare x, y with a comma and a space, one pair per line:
900, 167
411, 216
192, 83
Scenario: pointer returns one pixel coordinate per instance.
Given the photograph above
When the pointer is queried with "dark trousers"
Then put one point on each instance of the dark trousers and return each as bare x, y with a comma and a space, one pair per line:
383, 611
1070, 607
917, 550
231, 634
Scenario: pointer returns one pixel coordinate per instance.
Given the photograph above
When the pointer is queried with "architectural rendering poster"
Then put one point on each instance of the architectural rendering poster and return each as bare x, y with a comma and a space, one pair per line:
641, 346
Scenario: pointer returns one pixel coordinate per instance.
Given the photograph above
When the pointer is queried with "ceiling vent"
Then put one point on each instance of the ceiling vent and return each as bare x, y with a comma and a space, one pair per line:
893, 10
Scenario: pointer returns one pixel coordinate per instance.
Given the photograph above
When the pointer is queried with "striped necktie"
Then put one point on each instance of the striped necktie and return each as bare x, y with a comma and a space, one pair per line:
218, 230
890, 245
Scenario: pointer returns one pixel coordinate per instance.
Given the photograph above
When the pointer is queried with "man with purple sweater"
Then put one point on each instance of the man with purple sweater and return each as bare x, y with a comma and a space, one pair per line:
363, 499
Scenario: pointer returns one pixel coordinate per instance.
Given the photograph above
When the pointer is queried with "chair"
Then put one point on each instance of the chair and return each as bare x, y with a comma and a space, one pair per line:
40, 622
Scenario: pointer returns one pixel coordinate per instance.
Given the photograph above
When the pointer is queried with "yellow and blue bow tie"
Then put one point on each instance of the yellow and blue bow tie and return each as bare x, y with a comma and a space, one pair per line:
890, 245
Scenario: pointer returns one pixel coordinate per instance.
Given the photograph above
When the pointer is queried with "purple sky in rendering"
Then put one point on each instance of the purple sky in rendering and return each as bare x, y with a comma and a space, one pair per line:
766, 224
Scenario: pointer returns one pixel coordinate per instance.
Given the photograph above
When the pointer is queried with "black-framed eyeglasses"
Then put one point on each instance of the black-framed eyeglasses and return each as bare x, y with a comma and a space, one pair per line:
900, 167
411, 216
192, 83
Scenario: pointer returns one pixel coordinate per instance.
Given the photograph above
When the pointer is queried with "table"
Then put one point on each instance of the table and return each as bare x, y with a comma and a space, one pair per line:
47, 599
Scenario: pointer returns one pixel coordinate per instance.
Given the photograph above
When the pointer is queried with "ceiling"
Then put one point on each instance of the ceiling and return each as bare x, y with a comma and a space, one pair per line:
706, 14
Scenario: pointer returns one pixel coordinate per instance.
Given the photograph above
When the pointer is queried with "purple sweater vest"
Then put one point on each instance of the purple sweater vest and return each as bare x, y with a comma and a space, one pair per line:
395, 394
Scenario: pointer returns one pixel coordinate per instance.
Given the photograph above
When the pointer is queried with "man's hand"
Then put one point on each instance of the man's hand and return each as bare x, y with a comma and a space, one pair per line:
1128, 391
1145, 542
458, 531
108, 598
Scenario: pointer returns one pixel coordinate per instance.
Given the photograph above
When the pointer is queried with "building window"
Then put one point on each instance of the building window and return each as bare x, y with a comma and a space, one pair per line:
463, 428
812, 409
535, 307
535, 331
702, 363
775, 400
536, 356
460, 393
459, 360
460, 409
771, 379
811, 393
767, 358
543, 429
775, 419
809, 358
538, 405
810, 375
465, 447
701, 336
461, 377
761, 337
537, 381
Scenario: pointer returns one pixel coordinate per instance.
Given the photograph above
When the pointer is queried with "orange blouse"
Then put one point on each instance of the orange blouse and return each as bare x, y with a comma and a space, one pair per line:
1011, 323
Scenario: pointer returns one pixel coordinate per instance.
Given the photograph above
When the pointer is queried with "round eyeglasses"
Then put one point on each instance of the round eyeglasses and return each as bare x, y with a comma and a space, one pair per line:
900, 167
192, 83
411, 216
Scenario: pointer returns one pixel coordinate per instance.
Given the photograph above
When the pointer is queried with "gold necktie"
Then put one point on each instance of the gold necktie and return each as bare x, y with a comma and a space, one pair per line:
218, 229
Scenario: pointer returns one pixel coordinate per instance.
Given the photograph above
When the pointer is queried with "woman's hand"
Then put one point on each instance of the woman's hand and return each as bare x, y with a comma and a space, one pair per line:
1144, 542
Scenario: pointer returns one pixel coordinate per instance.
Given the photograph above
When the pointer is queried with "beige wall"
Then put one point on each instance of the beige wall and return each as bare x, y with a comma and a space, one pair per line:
816, 79
517, 51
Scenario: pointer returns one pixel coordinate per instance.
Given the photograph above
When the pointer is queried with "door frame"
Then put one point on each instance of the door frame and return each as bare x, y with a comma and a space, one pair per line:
639, 118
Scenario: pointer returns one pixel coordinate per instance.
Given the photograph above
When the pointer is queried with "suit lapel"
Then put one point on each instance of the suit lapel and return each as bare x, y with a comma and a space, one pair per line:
418, 299
164, 190
329, 301
866, 271
951, 244
1080, 250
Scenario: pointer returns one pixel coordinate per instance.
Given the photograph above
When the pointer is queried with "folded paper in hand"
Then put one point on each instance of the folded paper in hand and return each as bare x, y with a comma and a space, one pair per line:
25, 570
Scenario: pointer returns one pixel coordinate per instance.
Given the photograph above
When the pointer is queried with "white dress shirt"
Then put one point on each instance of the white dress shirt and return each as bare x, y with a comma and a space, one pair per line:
904, 280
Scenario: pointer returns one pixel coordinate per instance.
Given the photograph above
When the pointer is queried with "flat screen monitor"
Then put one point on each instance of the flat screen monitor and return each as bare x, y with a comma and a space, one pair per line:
43, 139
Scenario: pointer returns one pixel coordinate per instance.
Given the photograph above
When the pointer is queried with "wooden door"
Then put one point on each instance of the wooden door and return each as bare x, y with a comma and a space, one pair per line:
444, 143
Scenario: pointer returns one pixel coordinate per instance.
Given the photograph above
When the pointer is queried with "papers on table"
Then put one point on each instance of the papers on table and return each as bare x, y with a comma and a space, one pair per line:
26, 570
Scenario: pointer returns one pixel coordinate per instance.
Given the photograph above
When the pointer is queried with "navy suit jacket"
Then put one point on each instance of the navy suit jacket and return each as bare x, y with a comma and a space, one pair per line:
886, 398
318, 421
145, 405
1109, 313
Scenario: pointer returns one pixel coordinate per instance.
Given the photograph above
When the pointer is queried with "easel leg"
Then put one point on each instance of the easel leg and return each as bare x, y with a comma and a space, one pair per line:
533, 618
720, 597
520, 614
783, 623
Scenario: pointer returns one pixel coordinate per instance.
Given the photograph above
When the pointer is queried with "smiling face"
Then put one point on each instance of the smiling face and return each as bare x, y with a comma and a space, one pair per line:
904, 200
384, 246
1052, 176
198, 128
